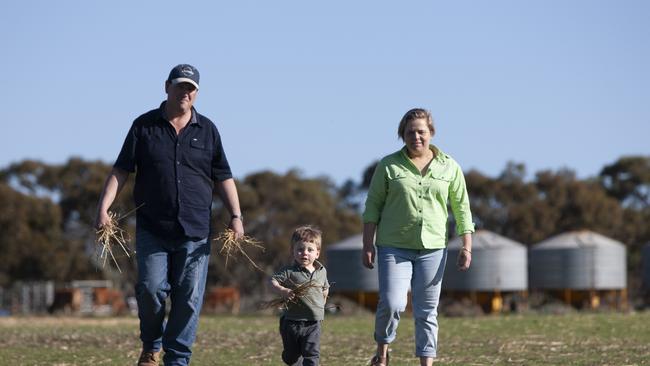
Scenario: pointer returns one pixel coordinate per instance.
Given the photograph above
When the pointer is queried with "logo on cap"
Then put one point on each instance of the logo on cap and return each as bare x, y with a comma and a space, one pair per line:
187, 71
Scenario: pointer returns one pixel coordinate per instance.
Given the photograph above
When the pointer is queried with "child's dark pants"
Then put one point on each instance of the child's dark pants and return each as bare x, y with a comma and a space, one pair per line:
301, 341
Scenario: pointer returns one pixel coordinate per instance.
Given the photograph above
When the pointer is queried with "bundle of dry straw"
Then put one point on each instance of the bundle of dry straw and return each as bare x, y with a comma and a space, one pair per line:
109, 236
299, 292
232, 246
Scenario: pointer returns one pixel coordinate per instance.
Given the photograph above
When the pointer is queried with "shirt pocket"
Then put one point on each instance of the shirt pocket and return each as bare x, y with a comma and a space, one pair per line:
398, 184
199, 154
197, 144
439, 185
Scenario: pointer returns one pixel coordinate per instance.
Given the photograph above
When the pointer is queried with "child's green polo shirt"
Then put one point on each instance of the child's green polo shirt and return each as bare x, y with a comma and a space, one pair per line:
312, 305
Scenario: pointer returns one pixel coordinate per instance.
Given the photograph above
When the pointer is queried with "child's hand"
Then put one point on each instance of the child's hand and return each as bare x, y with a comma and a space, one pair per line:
288, 294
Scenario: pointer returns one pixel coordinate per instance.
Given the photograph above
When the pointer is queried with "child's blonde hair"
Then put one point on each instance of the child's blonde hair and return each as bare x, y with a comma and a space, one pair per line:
307, 233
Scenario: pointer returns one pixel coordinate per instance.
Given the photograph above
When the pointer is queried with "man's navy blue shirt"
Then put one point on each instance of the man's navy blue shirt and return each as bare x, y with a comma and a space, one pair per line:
175, 175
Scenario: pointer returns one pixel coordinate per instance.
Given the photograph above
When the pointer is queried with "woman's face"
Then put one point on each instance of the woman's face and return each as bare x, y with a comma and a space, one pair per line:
417, 136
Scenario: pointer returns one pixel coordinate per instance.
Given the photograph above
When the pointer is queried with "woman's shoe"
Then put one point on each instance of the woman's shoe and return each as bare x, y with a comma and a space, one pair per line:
380, 361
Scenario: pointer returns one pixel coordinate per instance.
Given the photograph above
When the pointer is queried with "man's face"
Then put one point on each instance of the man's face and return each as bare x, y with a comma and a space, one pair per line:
181, 95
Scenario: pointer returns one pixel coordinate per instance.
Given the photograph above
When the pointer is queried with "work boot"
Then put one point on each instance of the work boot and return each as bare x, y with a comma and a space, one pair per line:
149, 358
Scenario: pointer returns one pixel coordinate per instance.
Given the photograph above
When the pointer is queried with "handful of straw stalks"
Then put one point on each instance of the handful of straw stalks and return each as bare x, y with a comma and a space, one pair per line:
299, 292
110, 236
232, 246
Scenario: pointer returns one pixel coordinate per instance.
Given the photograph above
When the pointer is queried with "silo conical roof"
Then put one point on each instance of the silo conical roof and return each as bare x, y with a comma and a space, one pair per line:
578, 239
485, 239
352, 242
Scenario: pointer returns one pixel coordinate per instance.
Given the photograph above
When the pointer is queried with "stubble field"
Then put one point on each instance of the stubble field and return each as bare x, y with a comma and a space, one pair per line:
573, 339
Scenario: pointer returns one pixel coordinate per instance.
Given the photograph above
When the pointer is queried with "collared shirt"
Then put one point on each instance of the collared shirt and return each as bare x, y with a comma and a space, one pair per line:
410, 209
174, 173
311, 306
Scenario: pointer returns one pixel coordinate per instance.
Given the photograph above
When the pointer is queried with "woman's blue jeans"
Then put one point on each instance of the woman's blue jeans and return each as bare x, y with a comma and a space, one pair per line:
422, 271
174, 268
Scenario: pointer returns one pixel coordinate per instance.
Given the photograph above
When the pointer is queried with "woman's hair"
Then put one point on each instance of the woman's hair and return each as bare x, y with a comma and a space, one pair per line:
415, 113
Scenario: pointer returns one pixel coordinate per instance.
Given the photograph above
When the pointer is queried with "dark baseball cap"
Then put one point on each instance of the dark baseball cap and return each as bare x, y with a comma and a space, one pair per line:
184, 73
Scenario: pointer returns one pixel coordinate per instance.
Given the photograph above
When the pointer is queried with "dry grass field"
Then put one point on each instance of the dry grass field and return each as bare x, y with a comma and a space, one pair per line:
572, 339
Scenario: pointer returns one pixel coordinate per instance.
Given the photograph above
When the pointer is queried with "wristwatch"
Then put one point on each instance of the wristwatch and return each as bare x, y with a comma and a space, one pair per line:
240, 217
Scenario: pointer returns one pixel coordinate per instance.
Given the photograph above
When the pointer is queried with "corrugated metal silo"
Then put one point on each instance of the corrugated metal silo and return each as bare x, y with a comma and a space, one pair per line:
578, 260
344, 266
347, 274
498, 273
498, 263
581, 267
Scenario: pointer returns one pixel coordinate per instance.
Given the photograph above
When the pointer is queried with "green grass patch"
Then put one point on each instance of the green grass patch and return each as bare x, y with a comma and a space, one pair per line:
572, 339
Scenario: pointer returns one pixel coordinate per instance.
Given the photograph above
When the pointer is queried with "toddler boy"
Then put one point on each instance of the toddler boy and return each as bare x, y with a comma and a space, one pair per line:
300, 323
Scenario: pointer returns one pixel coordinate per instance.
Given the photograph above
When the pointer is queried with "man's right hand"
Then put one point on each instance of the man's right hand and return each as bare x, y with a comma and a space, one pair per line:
114, 183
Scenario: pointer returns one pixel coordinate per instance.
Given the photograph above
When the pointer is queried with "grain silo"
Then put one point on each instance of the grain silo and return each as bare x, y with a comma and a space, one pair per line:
347, 274
580, 267
499, 269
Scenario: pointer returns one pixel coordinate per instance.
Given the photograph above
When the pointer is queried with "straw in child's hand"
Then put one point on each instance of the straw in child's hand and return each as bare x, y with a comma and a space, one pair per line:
299, 292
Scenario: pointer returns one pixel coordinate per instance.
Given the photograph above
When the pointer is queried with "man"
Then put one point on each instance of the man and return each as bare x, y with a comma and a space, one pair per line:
178, 158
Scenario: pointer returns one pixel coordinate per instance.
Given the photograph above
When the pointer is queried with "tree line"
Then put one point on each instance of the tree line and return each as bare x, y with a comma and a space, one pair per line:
48, 210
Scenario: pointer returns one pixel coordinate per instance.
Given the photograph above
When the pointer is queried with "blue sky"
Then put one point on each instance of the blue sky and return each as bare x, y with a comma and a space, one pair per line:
321, 86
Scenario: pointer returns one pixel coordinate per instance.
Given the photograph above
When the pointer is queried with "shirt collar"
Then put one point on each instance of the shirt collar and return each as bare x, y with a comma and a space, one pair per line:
437, 154
317, 265
440, 156
163, 114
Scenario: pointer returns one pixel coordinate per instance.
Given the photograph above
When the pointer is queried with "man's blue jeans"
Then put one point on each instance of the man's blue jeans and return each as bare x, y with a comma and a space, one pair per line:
422, 271
174, 268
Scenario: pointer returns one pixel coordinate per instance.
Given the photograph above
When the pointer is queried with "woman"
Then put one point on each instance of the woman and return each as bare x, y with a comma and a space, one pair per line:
407, 208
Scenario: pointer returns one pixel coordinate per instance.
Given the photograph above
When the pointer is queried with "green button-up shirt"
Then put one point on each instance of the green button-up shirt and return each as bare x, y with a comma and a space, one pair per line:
410, 209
